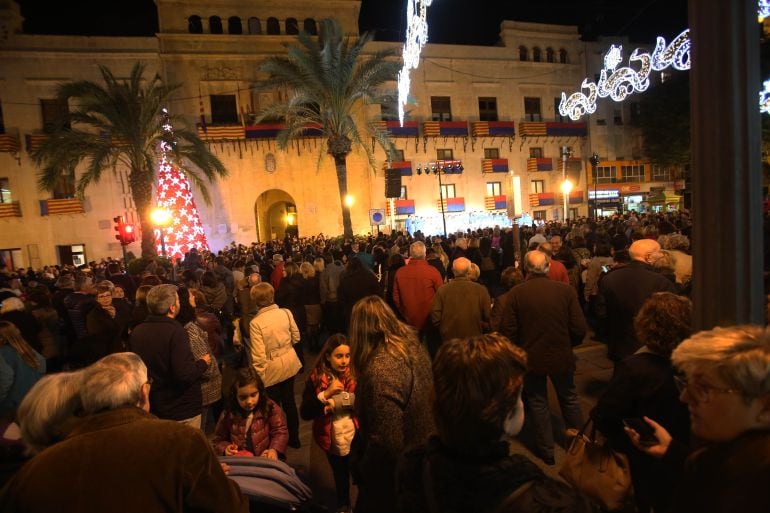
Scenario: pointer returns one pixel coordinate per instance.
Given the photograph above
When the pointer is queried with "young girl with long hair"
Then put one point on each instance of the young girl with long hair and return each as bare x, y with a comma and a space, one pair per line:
252, 424
26, 368
334, 385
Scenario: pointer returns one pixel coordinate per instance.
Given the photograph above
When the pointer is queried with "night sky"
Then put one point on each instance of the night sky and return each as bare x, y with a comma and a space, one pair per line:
450, 21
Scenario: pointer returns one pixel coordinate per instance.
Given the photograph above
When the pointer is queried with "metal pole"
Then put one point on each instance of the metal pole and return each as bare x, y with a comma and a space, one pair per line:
564, 154
439, 171
162, 244
594, 164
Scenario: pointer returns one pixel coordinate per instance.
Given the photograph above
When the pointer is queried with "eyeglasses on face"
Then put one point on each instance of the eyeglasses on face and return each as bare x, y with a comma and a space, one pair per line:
701, 392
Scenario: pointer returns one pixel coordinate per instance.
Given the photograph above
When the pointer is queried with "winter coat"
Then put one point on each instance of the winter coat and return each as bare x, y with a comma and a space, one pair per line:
272, 335
324, 425
265, 433
413, 291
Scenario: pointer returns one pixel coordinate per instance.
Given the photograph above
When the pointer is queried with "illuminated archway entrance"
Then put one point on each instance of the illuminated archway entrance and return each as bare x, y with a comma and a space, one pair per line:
275, 213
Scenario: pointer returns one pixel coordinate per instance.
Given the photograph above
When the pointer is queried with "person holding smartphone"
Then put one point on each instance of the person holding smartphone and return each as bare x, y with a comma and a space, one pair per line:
643, 385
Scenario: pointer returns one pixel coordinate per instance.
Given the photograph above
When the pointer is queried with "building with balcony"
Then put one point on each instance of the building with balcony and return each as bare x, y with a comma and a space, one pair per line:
493, 110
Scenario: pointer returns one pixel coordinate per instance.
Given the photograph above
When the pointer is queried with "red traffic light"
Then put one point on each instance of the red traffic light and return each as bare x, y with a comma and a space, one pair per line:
129, 235
126, 234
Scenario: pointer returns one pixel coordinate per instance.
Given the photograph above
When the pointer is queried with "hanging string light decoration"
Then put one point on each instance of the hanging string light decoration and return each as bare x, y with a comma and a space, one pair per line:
763, 10
416, 38
174, 194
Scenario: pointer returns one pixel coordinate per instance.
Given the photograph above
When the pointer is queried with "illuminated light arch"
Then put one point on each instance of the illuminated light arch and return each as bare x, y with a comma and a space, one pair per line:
416, 38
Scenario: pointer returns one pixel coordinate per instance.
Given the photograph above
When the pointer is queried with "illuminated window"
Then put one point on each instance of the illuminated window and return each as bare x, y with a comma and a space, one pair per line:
494, 188
491, 153
537, 186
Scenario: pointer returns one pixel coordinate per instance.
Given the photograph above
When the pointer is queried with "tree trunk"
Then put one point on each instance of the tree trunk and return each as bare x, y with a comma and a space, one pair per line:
141, 191
342, 182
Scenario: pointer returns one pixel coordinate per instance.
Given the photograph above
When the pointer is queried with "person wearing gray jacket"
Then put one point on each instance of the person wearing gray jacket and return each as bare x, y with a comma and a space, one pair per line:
330, 282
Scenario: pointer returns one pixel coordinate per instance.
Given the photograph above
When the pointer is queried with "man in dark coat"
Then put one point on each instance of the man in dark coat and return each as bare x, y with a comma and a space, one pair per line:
544, 318
117, 457
163, 345
624, 290
355, 283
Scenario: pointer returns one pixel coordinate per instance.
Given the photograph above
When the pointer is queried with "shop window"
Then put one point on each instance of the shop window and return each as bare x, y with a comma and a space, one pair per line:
491, 153
223, 109
195, 25
441, 108
487, 109
532, 110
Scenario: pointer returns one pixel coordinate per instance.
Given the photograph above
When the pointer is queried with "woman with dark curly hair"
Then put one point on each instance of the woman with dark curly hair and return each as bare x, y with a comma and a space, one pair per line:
643, 385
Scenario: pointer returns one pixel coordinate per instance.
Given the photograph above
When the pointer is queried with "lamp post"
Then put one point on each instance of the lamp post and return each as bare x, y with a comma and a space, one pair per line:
594, 164
566, 151
439, 168
566, 188
161, 218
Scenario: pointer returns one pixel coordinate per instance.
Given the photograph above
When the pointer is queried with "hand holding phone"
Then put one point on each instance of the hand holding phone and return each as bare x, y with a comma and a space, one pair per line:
645, 431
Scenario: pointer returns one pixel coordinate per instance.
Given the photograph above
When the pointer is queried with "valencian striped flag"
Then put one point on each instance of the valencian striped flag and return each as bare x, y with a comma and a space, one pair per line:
494, 166
493, 128
229, 132
34, 141
532, 128
495, 202
402, 206
52, 207
552, 129
542, 199
405, 167
452, 204
445, 128
541, 164
394, 128
11, 209
9, 143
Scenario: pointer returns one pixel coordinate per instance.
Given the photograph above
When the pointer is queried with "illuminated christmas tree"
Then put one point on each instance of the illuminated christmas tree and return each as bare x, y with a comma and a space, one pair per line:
175, 196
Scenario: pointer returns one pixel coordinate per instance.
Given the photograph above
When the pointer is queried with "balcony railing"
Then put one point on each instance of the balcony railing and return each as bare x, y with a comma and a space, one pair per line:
54, 207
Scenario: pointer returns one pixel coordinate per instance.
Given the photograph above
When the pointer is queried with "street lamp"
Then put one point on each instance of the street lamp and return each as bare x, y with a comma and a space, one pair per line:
566, 188
349, 200
161, 218
566, 151
594, 164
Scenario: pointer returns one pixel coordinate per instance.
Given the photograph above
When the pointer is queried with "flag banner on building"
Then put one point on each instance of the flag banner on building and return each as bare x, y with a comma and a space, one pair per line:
493, 128
574, 197
405, 167
53, 207
312, 130
394, 128
452, 205
11, 209
445, 128
552, 129
542, 199
34, 141
496, 202
9, 143
402, 206
263, 131
494, 165
228, 132
541, 164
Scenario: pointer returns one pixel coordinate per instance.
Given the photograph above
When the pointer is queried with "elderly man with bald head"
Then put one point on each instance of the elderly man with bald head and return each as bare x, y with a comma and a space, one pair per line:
461, 308
624, 290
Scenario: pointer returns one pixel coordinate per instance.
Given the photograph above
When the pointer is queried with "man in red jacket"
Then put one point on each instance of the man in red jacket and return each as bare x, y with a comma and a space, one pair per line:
414, 287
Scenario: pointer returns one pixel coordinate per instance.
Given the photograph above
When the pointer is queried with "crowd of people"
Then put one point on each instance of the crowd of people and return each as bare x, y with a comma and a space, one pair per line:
423, 357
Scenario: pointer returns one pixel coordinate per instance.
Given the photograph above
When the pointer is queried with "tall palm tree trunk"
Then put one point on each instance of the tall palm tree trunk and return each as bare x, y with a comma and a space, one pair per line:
141, 190
340, 165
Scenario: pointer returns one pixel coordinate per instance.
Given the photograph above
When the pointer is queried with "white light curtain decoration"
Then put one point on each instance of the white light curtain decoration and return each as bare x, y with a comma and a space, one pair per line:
763, 10
619, 83
416, 38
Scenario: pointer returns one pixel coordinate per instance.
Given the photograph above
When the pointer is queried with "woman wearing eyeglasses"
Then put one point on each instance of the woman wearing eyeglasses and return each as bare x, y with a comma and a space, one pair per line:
725, 381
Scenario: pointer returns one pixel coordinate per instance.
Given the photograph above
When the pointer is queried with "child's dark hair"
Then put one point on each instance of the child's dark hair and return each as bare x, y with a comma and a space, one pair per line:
322, 364
244, 377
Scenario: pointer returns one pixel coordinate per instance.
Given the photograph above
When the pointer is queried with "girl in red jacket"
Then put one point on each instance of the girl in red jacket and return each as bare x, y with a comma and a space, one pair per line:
252, 424
335, 385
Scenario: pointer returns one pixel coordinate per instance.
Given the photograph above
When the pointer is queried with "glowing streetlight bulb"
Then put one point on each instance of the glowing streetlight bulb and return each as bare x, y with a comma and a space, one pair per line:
566, 186
160, 217
349, 200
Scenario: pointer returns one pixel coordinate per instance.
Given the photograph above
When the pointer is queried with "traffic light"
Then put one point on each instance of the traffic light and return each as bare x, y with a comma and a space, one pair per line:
130, 234
126, 234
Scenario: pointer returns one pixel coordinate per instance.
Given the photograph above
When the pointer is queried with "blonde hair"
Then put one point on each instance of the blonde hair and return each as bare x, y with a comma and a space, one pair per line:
373, 325
290, 268
11, 336
263, 294
319, 265
740, 355
307, 270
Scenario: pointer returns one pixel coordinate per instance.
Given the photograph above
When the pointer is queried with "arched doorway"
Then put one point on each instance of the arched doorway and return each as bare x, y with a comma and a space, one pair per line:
275, 213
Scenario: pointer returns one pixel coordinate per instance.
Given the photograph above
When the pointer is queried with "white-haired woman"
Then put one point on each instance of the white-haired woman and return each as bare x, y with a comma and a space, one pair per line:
725, 381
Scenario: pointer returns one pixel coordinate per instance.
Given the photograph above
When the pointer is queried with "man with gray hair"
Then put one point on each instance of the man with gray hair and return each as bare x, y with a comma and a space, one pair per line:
165, 348
543, 317
414, 287
461, 308
164, 466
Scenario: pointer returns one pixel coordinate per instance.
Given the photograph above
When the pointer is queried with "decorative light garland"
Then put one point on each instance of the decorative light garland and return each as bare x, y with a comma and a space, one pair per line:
416, 38
763, 10
619, 83
175, 195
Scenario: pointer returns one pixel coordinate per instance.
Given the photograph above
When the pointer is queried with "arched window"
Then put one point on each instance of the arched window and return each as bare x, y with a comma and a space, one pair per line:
255, 27
292, 27
215, 25
310, 27
273, 27
563, 56
523, 53
194, 25
549, 55
536, 54
234, 25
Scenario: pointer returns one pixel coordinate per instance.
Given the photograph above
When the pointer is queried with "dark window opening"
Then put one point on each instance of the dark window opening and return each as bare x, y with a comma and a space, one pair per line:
234, 25
445, 154
54, 114
488, 109
389, 109
523, 53
5, 191
636, 112
536, 54
559, 117
491, 153
194, 25
223, 109
310, 27
273, 27
563, 56
532, 110
255, 27
65, 186
292, 27
441, 108
536, 153
215, 25
549, 55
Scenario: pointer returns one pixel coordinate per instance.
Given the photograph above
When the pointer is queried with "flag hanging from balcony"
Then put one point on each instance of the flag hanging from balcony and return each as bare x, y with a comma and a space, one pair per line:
493, 128
495, 202
404, 167
402, 206
452, 205
494, 166
173, 193
539, 164
542, 199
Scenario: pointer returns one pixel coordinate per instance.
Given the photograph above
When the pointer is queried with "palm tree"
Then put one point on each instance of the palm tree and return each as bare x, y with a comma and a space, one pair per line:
118, 123
329, 81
